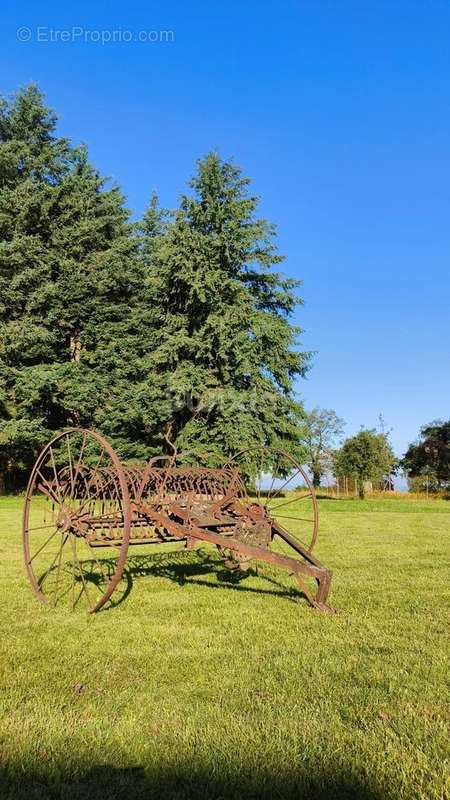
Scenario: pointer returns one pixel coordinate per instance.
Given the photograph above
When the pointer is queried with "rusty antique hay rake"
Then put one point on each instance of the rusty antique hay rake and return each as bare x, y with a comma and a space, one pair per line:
81, 501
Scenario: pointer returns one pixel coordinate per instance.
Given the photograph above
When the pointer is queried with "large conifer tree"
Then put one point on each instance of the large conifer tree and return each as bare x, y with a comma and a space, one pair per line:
225, 353
70, 310
183, 331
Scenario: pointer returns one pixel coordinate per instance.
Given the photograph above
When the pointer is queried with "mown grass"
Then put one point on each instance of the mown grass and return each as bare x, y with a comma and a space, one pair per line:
391, 503
192, 687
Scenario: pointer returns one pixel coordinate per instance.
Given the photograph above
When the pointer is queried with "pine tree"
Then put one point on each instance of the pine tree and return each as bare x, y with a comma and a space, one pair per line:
182, 332
225, 351
70, 311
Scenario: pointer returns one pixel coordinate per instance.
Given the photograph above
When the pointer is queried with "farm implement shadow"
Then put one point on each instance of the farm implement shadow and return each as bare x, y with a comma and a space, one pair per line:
192, 567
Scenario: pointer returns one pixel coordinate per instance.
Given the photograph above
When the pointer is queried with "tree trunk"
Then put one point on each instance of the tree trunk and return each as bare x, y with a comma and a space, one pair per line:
361, 489
316, 479
75, 346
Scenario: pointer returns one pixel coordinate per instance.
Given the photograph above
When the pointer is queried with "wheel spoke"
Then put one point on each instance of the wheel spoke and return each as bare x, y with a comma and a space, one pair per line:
82, 575
58, 569
289, 502
72, 543
258, 478
96, 560
90, 498
49, 491
287, 482
47, 572
296, 519
83, 445
43, 545
40, 528
297, 539
274, 477
76, 601
97, 466
69, 454
52, 457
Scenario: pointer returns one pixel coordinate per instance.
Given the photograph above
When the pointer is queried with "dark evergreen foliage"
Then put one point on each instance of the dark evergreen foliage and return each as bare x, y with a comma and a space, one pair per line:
69, 274
430, 455
179, 327
225, 351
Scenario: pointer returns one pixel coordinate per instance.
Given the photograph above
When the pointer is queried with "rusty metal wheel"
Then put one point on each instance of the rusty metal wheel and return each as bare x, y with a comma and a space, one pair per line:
77, 508
278, 483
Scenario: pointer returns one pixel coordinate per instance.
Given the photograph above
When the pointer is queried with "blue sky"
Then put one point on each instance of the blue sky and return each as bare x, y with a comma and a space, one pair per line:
339, 112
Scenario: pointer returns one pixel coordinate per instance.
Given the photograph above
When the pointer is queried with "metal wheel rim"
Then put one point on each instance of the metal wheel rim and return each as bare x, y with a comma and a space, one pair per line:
298, 472
115, 578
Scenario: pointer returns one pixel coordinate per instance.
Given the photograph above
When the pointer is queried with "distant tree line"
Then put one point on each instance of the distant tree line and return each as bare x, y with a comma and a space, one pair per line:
368, 457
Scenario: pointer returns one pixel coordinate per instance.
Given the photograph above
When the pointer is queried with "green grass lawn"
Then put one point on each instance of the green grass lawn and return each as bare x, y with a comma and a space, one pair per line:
192, 687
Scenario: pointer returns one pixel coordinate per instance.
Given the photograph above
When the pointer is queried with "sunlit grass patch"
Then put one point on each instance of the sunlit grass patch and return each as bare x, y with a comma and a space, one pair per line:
198, 685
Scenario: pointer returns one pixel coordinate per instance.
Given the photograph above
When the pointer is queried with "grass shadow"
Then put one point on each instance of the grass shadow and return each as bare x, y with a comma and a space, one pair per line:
188, 782
192, 566
328, 497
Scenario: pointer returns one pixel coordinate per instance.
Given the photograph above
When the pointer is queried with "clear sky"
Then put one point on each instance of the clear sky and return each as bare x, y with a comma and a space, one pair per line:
338, 111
